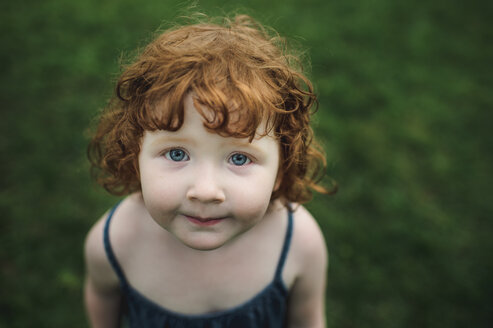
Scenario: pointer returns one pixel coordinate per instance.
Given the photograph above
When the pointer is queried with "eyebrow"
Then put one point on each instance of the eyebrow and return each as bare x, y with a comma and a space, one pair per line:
243, 144
171, 139
234, 142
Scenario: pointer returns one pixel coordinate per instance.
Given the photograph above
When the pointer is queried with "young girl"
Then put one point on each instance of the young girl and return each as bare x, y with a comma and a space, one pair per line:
209, 137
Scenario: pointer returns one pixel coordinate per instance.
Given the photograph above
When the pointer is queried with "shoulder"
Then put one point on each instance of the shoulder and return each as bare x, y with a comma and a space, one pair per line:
307, 294
98, 268
123, 228
308, 240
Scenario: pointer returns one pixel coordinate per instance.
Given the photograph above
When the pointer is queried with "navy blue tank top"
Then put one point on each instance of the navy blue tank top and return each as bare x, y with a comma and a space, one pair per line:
267, 309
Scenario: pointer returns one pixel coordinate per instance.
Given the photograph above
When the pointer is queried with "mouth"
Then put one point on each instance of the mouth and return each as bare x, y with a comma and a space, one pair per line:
204, 221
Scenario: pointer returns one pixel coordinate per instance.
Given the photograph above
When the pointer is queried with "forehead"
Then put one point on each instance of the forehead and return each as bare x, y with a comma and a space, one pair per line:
238, 119
195, 129
228, 117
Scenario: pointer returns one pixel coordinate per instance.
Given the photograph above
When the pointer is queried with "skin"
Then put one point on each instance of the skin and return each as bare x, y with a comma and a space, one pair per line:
204, 221
225, 183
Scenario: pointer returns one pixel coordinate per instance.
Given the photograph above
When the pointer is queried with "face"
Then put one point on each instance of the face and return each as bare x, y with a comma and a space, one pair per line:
203, 188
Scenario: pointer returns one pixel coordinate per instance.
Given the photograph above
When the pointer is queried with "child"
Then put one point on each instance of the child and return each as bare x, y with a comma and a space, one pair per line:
209, 137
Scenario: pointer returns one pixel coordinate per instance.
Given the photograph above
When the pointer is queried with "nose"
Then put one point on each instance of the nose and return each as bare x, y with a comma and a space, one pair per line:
206, 187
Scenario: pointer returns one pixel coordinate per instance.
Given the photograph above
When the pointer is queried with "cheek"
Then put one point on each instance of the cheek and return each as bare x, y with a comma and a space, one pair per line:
252, 197
160, 192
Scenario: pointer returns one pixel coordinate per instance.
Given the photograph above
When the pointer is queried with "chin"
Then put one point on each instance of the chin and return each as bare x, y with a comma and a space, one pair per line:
204, 244
205, 248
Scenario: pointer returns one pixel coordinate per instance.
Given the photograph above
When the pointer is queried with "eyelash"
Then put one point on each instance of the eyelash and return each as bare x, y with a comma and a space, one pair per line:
168, 155
248, 159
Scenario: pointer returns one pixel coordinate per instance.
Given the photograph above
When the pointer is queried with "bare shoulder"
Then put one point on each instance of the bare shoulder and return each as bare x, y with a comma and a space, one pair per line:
123, 228
307, 295
308, 240
99, 270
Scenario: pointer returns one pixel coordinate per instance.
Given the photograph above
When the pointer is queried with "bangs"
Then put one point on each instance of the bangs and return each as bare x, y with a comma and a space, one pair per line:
233, 99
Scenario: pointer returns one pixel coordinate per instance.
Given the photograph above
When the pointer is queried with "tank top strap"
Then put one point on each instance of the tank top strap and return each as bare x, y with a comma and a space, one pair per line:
109, 250
285, 248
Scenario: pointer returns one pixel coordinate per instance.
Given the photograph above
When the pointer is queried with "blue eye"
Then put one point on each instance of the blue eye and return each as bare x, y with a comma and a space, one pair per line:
176, 155
239, 159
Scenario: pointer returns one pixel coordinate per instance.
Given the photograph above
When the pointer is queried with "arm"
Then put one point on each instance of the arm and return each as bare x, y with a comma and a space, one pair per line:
306, 308
101, 291
103, 307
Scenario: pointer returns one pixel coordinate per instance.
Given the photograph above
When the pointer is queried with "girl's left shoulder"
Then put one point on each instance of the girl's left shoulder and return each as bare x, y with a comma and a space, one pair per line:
309, 262
308, 246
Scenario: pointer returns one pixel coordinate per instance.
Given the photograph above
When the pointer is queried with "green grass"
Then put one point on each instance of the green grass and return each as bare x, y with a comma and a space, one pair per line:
405, 116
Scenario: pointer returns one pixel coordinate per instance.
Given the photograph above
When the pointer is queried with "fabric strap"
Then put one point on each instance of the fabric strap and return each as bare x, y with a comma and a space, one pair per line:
109, 250
285, 247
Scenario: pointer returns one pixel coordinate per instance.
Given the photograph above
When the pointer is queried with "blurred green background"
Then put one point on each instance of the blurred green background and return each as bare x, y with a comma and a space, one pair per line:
405, 116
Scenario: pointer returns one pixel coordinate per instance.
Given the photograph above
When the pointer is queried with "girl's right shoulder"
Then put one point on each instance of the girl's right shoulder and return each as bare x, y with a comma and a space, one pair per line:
123, 229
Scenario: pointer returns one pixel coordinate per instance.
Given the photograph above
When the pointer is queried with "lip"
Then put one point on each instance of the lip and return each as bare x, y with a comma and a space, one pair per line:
205, 222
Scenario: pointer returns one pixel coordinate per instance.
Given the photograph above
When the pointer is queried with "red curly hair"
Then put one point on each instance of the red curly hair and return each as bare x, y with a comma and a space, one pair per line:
235, 67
